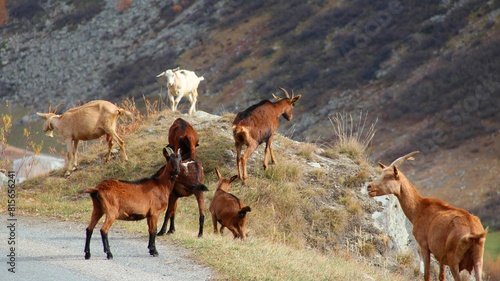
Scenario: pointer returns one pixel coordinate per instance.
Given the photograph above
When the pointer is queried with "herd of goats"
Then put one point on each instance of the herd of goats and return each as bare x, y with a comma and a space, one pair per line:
454, 236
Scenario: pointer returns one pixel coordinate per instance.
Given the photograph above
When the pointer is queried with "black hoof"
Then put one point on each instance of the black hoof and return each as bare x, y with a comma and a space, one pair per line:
110, 256
153, 253
87, 256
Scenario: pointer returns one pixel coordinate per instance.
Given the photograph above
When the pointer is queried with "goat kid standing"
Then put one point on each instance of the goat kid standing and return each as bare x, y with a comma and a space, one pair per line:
257, 124
227, 209
182, 83
132, 201
454, 236
87, 122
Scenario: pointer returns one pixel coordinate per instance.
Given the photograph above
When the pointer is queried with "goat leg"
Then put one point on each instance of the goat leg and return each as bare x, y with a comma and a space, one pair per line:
88, 235
152, 244
105, 244
202, 221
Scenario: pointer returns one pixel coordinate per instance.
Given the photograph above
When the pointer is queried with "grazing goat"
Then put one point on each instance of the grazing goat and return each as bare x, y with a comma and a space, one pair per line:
182, 83
87, 122
189, 182
182, 135
227, 209
256, 125
454, 236
132, 201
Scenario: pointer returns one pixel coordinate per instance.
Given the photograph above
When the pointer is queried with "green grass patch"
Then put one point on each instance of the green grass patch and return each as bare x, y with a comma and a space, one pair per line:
492, 245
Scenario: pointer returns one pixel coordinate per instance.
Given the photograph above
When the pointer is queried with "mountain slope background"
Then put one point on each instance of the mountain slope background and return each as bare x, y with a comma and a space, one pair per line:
428, 71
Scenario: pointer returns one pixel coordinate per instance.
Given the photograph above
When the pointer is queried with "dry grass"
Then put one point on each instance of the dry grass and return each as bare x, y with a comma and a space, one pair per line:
353, 136
287, 215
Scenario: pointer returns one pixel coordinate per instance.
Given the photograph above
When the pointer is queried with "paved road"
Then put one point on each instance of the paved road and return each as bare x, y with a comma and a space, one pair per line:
50, 250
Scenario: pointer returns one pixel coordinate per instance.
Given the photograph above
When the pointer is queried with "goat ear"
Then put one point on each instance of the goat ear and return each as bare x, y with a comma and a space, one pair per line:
396, 172
295, 99
382, 165
219, 176
43, 115
233, 178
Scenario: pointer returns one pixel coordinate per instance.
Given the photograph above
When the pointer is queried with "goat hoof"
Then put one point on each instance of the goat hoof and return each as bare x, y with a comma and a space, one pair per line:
161, 233
110, 256
87, 256
154, 253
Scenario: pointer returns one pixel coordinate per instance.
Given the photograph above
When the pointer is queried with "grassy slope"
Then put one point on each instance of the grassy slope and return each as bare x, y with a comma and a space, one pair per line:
301, 216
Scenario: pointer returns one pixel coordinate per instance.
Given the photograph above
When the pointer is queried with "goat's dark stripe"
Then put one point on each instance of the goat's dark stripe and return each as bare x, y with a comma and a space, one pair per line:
183, 124
247, 112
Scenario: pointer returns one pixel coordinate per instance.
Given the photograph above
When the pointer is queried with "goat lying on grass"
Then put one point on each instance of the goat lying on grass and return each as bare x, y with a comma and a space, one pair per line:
256, 125
131, 201
189, 182
454, 236
87, 122
227, 209
182, 83
182, 135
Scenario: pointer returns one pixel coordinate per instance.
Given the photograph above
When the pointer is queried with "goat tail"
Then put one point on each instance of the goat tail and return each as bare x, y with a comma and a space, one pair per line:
201, 78
126, 112
244, 211
91, 190
201, 187
475, 237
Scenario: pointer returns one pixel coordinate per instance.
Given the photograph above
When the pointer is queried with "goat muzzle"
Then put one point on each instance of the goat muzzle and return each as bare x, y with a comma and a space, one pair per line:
372, 192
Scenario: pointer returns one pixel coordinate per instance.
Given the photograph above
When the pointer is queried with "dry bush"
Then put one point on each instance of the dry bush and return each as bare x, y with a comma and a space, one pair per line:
123, 5
353, 136
4, 15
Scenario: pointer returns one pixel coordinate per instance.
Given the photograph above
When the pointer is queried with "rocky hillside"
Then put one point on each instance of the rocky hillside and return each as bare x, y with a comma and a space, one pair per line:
429, 71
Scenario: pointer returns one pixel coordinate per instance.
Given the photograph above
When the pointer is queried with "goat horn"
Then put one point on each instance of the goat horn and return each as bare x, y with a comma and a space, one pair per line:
48, 108
293, 94
286, 93
57, 107
401, 159
276, 97
169, 150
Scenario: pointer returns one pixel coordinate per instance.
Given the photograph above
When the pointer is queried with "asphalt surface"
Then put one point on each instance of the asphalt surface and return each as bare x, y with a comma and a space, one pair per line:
51, 250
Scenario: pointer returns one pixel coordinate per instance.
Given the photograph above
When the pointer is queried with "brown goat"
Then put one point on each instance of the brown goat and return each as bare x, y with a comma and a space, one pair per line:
454, 236
87, 122
182, 135
256, 125
189, 182
132, 201
227, 209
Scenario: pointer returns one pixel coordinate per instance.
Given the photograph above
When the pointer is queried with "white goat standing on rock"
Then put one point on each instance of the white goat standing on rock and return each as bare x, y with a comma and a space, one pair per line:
87, 122
181, 82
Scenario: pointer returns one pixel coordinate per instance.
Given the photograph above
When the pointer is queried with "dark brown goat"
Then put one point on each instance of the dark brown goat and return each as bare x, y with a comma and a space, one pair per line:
182, 135
189, 182
256, 125
132, 201
227, 209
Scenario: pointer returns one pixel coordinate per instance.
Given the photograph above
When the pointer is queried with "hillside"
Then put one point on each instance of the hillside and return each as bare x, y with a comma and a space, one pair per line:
427, 70
310, 205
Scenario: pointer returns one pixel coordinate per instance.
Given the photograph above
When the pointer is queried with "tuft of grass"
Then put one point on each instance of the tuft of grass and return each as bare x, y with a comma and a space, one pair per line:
306, 150
353, 136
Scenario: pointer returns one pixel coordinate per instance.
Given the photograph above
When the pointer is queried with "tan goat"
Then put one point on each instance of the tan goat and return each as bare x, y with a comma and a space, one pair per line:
87, 122
227, 209
454, 236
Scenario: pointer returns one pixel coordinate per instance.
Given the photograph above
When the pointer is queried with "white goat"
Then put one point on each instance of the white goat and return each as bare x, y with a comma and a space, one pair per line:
182, 83
87, 122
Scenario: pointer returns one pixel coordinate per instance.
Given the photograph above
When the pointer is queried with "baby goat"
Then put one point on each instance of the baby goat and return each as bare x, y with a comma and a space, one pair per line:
227, 209
256, 125
454, 236
189, 182
87, 122
132, 201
